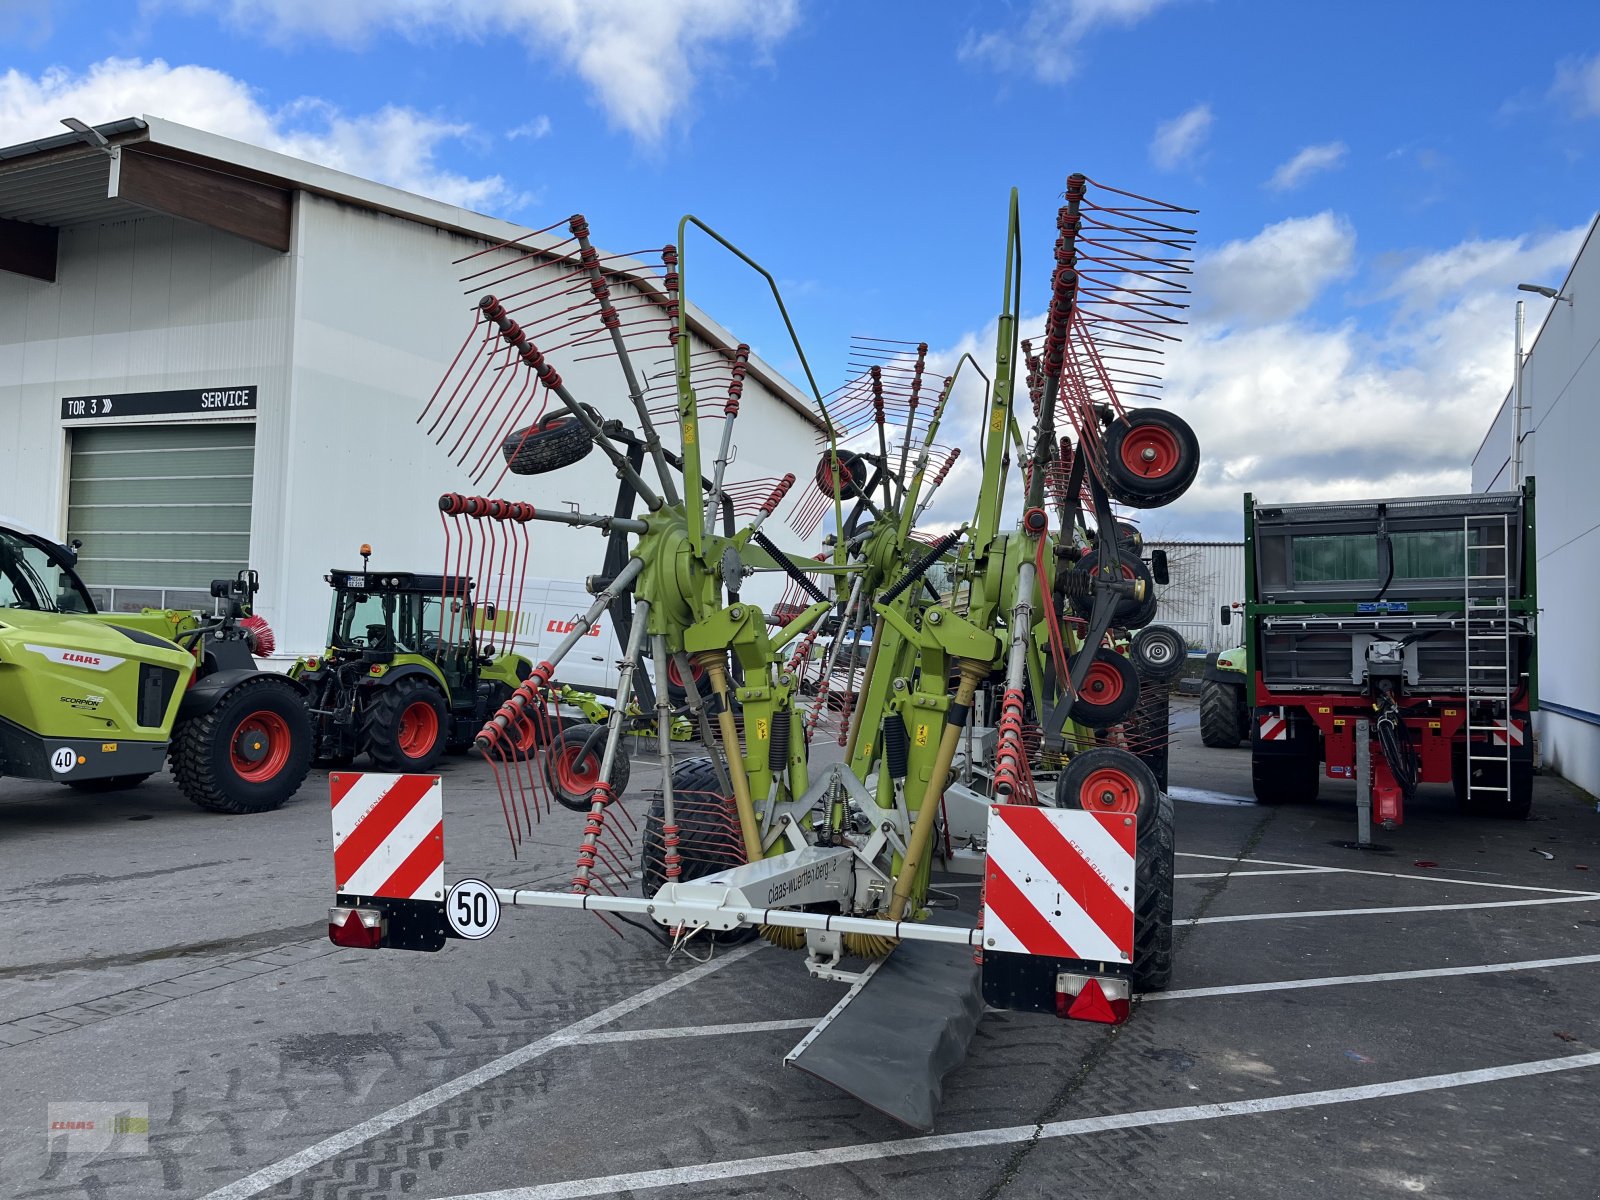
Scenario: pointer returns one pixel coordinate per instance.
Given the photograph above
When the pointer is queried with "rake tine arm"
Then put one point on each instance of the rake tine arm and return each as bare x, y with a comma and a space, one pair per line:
613, 324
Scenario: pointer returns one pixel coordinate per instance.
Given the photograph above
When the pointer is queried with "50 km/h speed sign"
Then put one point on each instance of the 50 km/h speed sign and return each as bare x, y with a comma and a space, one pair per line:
472, 909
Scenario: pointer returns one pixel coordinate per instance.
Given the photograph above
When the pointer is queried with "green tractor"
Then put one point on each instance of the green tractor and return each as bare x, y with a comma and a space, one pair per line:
414, 669
99, 701
408, 673
1224, 707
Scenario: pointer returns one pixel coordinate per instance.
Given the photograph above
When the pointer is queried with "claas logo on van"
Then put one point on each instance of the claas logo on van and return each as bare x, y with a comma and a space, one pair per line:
568, 627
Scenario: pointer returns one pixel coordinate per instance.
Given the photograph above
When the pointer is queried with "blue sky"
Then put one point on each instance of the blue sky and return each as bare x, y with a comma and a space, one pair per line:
1373, 179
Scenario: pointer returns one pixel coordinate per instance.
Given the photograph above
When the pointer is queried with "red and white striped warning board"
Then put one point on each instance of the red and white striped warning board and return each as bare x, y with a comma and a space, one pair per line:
1508, 733
388, 835
1274, 728
1059, 882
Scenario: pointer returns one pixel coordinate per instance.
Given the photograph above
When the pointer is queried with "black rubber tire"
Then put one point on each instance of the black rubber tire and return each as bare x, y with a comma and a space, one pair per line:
853, 469
1135, 487
1152, 891
1105, 701
382, 725
1150, 733
202, 752
555, 442
1129, 613
572, 741
110, 783
1160, 653
1129, 537
703, 842
1222, 724
1517, 806
1153, 858
1288, 772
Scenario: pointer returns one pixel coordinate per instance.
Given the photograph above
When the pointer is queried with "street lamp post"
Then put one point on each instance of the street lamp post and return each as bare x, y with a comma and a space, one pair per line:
1516, 406
1515, 464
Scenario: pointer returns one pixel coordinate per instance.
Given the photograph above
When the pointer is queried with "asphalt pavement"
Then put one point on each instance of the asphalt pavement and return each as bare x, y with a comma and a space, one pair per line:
1414, 1019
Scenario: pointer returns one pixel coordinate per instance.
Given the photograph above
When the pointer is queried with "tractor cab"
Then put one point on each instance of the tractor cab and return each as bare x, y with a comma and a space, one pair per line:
379, 616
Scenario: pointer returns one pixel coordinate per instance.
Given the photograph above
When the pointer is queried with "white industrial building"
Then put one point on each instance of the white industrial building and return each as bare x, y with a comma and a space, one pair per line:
1560, 437
212, 356
1206, 577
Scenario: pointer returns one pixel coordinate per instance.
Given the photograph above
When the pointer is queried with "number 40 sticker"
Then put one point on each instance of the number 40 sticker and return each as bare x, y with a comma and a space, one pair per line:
472, 909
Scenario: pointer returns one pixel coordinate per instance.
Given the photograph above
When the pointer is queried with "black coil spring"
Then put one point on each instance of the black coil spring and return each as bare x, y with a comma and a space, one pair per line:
778, 746
896, 746
789, 569
922, 566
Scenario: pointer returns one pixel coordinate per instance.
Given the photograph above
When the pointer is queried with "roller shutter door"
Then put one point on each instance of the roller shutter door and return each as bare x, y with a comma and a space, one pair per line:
162, 510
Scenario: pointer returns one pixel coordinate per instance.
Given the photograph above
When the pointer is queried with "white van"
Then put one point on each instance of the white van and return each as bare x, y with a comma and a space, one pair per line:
546, 611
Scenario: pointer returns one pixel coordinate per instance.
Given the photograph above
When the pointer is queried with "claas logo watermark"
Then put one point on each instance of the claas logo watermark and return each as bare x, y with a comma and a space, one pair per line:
97, 1127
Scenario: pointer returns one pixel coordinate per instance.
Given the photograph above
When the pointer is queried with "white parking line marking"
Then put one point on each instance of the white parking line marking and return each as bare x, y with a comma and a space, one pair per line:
1289, 985
270, 1176
1248, 874
1205, 796
1267, 862
770, 1164
683, 1031
1378, 912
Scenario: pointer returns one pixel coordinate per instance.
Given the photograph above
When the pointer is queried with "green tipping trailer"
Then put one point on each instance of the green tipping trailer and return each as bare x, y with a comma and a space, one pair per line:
1389, 642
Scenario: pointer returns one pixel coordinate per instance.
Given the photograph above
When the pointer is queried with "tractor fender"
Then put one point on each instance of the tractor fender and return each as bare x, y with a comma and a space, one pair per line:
209, 690
1224, 669
409, 671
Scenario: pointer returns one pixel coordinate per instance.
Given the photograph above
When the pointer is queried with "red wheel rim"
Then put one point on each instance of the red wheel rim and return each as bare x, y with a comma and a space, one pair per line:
1102, 685
576, 772
675, 677
1109, 790
825, 474
1150, 451
524, 737
260, 746
419, 729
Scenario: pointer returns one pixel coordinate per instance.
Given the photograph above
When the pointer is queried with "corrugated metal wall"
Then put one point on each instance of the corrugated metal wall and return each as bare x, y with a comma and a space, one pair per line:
1205, 576
1561, 428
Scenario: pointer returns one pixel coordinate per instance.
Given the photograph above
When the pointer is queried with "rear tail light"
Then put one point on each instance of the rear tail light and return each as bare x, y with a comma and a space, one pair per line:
356, 928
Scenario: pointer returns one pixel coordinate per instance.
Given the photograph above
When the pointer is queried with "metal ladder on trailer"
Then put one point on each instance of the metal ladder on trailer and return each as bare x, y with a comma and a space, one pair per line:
1490, 658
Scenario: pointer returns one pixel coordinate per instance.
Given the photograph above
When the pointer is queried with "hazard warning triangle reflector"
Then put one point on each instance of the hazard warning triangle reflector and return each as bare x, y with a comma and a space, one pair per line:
1092, 1004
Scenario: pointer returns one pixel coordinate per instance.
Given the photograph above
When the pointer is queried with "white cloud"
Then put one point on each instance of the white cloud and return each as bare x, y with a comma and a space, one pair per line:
532, 130
1044, 46
1499, 264
640, 58
1308, 162
1578, 83
1294, 408
393, 145
1276, 274
1178, 142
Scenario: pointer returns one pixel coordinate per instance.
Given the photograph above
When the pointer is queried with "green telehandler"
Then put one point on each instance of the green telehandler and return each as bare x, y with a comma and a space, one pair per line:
99, 701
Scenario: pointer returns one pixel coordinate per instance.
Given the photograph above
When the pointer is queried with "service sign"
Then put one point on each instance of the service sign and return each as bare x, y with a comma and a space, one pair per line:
198, 402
